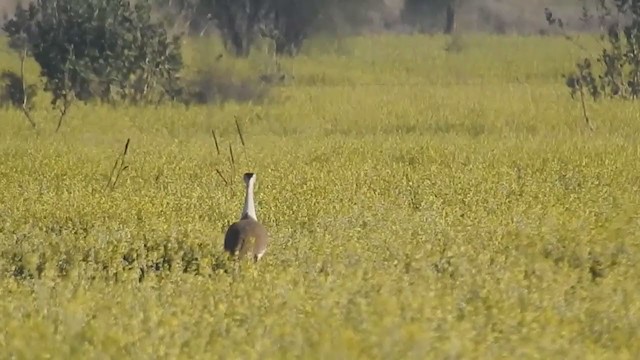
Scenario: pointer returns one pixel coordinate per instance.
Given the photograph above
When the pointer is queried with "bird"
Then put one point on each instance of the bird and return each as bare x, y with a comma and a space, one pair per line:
247, 235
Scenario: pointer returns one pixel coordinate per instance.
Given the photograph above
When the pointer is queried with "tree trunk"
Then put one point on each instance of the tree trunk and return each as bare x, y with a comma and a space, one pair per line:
450, 22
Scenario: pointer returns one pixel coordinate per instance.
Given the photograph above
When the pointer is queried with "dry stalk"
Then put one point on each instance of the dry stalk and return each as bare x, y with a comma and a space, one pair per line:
120, 160
244, 146
215, 141
233, 162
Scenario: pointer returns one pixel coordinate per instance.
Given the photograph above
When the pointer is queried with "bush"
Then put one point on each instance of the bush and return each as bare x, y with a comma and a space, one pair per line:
98, 49
213, 85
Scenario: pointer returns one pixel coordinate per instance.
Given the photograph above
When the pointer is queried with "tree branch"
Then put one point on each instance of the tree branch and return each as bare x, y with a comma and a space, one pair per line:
66, 104
25, 96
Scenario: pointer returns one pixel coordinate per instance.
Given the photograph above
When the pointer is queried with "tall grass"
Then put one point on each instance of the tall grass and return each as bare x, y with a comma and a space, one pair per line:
421, 204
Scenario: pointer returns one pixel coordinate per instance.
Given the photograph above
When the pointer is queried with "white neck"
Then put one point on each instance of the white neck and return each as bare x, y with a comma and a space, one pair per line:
249, 206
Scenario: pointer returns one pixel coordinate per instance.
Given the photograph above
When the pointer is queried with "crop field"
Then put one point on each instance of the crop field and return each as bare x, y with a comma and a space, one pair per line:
424, 201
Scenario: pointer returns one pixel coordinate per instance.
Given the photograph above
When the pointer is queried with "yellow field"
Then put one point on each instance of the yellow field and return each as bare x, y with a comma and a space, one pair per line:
422, 204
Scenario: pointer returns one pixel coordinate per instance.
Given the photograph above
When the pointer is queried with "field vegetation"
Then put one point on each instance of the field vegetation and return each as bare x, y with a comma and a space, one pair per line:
426, 196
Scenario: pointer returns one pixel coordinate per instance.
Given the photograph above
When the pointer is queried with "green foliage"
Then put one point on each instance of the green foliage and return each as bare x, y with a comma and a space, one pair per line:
421, 204
105, 49
618, 74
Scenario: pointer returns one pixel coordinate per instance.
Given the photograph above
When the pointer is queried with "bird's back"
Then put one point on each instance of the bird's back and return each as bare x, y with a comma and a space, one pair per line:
246, 235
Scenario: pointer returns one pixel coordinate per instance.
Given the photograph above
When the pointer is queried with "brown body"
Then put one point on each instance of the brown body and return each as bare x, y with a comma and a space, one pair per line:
246, 235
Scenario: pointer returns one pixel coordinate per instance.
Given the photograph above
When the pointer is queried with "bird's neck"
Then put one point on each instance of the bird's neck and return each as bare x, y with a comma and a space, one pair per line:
249, 210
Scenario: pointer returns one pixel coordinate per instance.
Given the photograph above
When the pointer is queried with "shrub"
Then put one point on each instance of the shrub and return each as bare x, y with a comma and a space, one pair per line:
213, 85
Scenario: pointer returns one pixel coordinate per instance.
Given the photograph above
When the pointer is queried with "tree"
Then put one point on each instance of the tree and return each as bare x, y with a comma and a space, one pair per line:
109, 50
181, 16
288, 23
239, 22
416, 12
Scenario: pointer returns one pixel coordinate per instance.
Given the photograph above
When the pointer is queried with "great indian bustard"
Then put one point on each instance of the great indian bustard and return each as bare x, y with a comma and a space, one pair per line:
247, 234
